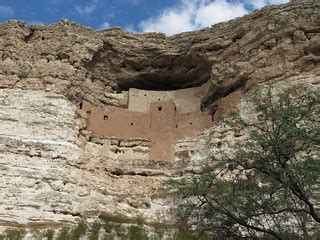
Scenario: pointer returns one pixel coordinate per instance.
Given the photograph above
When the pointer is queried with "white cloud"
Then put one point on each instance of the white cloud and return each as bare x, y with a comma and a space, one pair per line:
88, 9
277, 1
130, 28
194, 14
104, 25
171, 20
256, 4
218, 11
6, 11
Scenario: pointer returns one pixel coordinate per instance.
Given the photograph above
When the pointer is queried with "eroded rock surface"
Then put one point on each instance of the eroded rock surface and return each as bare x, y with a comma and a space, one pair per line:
54, 171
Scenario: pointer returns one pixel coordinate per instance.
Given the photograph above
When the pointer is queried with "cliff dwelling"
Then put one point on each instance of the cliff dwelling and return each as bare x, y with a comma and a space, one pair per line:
160, 117
92, 123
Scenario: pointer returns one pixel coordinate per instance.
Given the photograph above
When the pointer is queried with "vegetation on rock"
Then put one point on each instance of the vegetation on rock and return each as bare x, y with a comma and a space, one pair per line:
13, 234
268, 187
97, 230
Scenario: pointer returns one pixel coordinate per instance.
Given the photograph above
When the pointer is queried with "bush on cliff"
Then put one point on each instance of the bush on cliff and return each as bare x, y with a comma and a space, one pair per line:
268, 188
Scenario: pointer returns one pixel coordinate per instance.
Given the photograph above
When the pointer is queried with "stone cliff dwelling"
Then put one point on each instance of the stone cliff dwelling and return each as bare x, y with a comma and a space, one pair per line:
162, 117
145, 118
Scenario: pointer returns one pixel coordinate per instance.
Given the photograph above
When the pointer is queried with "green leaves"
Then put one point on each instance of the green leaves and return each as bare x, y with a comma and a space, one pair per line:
275, 172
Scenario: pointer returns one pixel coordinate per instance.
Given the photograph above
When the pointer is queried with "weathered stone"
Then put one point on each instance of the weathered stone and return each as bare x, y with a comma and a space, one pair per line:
53, 170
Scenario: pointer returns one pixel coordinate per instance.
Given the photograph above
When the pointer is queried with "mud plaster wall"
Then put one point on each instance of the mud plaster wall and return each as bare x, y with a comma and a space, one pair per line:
186, 100
191, 124
227, 105
163, 123
119, 123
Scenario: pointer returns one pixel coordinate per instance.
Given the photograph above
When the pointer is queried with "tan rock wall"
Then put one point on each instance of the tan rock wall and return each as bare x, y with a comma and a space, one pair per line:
51, 179
227, 105
54, 171
37, 123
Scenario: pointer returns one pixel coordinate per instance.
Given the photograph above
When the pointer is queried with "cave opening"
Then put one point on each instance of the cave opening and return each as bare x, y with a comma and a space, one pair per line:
149, 69
165, 73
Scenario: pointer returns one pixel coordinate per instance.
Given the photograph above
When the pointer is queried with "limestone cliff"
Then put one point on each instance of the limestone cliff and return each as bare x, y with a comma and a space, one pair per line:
54, 170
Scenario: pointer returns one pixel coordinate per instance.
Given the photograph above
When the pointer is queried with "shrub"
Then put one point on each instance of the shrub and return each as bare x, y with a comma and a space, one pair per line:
136, 233
64, 233
266, 183
48, 234
79, 231
14, 234
95, 228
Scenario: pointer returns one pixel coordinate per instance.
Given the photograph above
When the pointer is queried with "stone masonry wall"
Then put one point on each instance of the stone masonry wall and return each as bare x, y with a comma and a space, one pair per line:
163, 122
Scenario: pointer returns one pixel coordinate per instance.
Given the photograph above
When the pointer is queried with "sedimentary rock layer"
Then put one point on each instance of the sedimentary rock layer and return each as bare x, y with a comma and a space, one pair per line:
273, 43
54, 171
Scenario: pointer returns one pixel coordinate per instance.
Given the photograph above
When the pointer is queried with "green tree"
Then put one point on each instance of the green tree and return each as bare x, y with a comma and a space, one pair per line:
268, 187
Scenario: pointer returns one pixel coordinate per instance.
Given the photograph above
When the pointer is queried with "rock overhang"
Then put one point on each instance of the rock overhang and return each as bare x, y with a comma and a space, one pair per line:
272, 45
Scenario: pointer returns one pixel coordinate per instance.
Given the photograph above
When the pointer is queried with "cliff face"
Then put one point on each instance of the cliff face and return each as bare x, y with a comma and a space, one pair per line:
53, 170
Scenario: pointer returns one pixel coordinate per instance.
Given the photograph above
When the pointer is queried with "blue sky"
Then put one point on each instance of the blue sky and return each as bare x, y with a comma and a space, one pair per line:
168, 16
